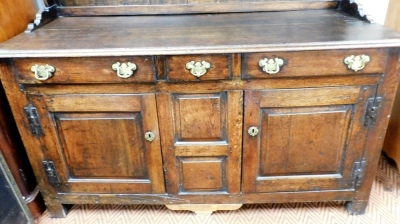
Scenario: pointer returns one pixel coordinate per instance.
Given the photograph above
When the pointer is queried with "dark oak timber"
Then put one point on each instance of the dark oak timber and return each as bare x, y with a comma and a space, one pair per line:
226, 129
191, 34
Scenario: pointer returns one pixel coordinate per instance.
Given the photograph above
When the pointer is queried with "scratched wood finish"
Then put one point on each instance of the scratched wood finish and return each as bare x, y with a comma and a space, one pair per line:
202, 141
220, 67
86, 70
303, 144
199, 34
314, 63
100, 147
147, 7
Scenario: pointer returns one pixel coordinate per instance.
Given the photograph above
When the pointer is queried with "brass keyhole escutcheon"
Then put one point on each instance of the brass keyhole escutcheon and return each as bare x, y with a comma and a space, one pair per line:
253, 131
149, 136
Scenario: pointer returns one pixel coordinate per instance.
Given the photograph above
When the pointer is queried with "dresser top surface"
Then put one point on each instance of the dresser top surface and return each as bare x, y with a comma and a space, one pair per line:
205, 33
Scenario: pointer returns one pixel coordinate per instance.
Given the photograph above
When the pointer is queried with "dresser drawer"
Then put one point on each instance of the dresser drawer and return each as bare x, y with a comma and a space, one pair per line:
198, 67
87, 70
310, 63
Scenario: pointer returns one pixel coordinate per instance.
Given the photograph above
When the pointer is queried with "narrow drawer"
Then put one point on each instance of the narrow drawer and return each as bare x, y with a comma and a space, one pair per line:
198, 67
310, 63
87, 70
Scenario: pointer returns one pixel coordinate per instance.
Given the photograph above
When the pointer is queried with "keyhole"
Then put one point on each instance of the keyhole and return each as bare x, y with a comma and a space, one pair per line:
149, 136
253, 131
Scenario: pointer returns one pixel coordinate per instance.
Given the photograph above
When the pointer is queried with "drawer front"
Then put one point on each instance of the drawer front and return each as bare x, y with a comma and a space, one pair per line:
88, 70
310, 63
198, 67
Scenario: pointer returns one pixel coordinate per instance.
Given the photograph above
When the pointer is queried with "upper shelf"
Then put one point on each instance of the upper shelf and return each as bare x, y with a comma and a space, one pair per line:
148, 7
204, 33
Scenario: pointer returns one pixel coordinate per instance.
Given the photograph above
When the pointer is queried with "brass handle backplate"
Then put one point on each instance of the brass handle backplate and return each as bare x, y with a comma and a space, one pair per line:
198, 68
253, 131
124, 70
271, 66
357, 63
43, 72
149, 136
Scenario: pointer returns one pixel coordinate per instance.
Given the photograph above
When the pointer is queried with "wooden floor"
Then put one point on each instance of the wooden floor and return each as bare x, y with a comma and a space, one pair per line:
384, 207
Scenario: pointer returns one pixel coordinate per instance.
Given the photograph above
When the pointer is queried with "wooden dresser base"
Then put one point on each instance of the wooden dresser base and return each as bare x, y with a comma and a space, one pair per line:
143, 110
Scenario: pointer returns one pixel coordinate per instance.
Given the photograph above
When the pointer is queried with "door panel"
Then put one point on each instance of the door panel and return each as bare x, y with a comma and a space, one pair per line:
100, 153
201, 141
320, 133
308, 142
100, 147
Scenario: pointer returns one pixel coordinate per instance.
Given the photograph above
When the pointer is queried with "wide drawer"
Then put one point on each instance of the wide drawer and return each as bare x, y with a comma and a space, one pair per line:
87, 70
198, 67
310, 63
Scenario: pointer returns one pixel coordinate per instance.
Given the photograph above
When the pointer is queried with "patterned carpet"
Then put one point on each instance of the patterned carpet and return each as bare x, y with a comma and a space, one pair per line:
384, 207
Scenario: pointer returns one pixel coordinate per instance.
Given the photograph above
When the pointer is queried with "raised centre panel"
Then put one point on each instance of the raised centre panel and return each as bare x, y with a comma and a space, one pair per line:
92, 150
200, 118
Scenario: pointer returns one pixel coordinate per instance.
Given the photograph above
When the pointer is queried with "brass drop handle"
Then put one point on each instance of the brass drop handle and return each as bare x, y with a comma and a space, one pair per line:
124, 70
149, 136
357, 63
198, 68
43, 72
253, 131
271, 66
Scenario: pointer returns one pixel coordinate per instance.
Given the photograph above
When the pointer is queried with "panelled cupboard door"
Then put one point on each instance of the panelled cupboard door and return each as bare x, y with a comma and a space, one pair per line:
98, 142
201, 139
308, 139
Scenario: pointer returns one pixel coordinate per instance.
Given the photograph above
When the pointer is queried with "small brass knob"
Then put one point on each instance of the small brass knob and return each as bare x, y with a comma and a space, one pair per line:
149, 136
124, 70
271, 66
357, 63
43, 72
198, 68
253, 131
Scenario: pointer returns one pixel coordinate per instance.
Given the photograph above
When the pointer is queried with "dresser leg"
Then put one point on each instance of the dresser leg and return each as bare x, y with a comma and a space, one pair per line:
204, 209
356, 207
57, 210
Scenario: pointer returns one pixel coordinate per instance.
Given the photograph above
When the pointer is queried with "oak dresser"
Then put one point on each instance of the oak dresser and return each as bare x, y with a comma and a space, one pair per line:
202, 105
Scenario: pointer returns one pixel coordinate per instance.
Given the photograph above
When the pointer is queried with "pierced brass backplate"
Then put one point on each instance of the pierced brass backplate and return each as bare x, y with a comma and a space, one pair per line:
124, 70
43, 72
271, 66
198, 68
357, 63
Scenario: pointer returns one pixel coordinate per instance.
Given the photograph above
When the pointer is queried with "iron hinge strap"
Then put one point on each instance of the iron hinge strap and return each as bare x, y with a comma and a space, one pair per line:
371, 113
358, 172
33, 119
51, 173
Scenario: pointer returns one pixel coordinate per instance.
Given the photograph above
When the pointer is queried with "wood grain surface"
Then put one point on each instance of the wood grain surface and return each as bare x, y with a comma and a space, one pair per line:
191, 34
189, 6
